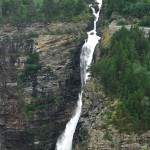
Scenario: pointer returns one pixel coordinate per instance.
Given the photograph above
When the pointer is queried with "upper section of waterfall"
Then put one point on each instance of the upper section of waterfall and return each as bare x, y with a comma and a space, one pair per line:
89, 46
65, 140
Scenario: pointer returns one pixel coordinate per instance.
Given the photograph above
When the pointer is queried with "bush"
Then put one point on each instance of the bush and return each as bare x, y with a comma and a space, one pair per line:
144, 148
145, 21
105, 23
122, 23
34, 107
84, 133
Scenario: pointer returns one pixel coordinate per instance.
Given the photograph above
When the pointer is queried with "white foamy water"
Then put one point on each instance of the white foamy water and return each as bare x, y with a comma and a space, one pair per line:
64, 142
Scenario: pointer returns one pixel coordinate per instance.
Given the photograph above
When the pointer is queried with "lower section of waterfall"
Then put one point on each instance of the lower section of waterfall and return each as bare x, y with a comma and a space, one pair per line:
64, 142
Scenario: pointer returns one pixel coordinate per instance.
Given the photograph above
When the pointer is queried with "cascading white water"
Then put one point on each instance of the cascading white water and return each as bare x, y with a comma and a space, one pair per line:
64, 142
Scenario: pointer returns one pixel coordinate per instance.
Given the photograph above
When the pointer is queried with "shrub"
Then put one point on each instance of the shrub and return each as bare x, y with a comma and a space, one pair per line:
122, 23
145, 21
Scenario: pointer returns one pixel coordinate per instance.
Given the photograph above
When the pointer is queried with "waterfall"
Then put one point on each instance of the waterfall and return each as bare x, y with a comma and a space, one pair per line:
64, 142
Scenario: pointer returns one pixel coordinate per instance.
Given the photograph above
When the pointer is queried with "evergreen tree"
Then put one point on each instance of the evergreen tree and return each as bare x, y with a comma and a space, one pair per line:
124, 73
32, 66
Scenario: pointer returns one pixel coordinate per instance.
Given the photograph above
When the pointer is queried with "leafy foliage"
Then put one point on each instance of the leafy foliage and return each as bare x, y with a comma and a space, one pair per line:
122, 23
18, 12
145, 21
125, 73
32, 67
136, 8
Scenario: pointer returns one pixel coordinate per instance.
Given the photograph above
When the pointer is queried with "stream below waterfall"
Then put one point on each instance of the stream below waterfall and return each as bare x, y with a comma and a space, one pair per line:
64, 142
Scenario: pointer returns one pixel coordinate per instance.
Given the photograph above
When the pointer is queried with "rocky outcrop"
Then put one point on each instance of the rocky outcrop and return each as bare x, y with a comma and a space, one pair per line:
93, 132
113, 28
28, 122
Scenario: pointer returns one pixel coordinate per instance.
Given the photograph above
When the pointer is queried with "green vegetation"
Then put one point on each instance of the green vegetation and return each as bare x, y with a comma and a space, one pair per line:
107, 135
32, 66
34, 107
136, 8
18, 12
122, 23
65, 10
41, 103
42, 134
145, 21
144, 148
83, 133
25, 36
124, 69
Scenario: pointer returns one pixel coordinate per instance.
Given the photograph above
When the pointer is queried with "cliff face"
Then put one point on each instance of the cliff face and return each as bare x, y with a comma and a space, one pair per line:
33, 114
94, 132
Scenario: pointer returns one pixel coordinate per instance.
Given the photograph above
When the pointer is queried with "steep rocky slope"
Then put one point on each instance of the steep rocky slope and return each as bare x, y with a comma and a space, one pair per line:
30, 122
35, 122
93, 131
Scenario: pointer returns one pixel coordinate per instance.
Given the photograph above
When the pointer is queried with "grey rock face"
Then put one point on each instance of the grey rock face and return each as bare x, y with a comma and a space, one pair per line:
28, 122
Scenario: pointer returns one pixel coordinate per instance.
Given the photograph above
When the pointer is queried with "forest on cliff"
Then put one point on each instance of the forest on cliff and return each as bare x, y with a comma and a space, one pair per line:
18, 12
124, 67
137, 8
124, 71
